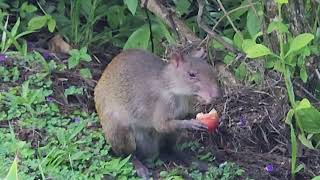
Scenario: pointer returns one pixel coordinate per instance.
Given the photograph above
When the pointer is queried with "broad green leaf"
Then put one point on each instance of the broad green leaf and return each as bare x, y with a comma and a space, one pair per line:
229, 58
316, 178
13, 172
51, 24
309, 119
257, 50
86, 57
72, 62
132, 5
116, 16
253, 23
237, 40
37, 22
160, 30
308, 116
303, 74
277, 26
86, 73
241, 72
304, 103
299, 42
83, 50
138, 39
247, 43
182, 6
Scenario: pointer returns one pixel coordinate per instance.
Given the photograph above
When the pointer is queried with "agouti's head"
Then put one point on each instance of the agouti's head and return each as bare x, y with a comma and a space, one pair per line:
192, 75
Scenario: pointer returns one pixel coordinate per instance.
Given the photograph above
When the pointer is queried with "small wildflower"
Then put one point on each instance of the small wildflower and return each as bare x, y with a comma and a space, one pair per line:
76, 119
30, 46
242, 121
269, 168
46, 55
3, 57
50, 99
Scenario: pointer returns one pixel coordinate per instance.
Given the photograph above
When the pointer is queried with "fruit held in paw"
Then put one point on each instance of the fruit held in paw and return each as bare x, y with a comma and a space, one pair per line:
210, 119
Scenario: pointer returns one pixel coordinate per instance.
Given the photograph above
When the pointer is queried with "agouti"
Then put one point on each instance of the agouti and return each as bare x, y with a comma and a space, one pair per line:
142, 100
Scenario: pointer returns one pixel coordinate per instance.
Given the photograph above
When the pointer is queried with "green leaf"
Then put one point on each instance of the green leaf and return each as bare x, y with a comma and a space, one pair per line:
14, 29
51, 24
289, 116
277, 26
299, 42
86, 73
308, 116
247, 44
13, 172
37, 22
257, 50
270, 62
138, 39
299, 168
116, 16
310, 119
282, 1
237, 40
303, 104
132, 5
303, 74
182, 6
241, 71
72, 90
294, 149
229, 58
316, 178
160, 30
73, 62
305, 141
253, 23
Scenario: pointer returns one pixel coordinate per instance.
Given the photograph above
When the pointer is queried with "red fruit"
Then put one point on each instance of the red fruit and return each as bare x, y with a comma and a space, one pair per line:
211, 119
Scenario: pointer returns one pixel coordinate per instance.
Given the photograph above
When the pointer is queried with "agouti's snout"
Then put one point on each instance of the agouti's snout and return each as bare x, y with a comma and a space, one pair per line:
207, 94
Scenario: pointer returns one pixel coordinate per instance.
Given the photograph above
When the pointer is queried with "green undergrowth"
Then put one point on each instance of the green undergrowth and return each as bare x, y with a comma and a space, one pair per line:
51, 145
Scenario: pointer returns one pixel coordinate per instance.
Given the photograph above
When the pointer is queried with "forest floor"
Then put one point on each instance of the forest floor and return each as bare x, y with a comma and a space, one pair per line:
252, 140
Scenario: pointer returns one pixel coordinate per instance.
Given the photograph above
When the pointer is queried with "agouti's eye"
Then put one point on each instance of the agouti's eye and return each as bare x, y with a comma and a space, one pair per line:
192, 75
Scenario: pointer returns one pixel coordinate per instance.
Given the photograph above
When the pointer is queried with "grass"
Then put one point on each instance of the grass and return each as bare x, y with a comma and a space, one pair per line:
51, 144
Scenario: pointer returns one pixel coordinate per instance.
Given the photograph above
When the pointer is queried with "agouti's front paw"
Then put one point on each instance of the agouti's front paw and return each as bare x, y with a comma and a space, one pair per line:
195, 125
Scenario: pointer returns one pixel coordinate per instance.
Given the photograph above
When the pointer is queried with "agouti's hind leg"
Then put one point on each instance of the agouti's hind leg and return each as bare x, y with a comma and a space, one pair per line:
147, 143
119, 136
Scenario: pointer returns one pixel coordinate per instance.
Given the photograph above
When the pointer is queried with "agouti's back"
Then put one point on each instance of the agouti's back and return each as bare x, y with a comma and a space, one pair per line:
126, 83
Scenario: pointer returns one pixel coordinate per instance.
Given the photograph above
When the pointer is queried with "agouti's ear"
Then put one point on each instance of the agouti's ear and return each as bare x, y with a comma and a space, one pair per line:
176, 58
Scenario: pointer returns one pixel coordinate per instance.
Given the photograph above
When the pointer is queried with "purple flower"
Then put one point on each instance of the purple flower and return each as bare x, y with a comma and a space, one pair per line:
269, 168
76, 119
50, 99
242, 121
45, 55
3, 57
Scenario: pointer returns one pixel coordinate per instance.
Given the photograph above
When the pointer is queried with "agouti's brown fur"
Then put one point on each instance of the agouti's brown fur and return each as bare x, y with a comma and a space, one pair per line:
142, 101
